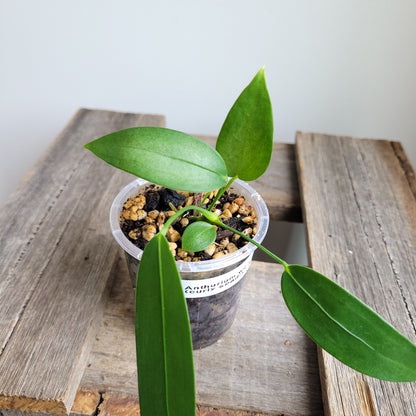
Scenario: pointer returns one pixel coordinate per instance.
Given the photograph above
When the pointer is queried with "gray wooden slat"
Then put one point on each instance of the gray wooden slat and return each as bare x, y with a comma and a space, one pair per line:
360, 214
279, 184
57, 253
264, 363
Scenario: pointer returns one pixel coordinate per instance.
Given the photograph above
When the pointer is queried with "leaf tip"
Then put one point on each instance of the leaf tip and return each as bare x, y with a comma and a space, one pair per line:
89, 145
261, 74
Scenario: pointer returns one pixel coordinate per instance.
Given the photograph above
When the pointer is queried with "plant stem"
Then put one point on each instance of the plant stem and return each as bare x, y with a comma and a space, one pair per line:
269, 253
210, 216
213, 219
203, 200
221, 192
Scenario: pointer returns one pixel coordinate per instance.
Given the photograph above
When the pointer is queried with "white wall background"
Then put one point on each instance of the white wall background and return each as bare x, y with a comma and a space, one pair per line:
344, 67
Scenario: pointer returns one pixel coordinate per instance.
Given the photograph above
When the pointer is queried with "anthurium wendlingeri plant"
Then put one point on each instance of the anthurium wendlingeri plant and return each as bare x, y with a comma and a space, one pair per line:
336, 320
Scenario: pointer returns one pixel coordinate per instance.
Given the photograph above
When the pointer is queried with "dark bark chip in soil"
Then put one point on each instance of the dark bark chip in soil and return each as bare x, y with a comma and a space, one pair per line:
152, 200
169, 197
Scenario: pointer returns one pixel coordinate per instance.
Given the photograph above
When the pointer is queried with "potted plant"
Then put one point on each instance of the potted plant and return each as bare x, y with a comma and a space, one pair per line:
336, 320
212, 277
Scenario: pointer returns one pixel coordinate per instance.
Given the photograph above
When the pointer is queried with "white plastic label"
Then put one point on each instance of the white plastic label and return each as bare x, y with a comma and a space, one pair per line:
217, 284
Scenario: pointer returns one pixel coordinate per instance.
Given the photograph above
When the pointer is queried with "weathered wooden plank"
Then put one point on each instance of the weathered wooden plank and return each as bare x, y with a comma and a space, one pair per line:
56, 256
360, 214
279, 184
263, 364
112, 361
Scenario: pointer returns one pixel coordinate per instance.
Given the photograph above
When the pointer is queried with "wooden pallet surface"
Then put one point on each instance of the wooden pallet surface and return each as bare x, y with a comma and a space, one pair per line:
264, 363
360, 214
57, 253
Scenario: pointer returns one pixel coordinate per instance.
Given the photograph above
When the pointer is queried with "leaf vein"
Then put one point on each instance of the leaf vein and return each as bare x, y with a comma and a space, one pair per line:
327, 313
162, 299
176, 158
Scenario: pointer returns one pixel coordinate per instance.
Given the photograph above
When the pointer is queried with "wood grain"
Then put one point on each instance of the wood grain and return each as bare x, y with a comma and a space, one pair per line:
264, 363
279, 184
57, 253
360, 214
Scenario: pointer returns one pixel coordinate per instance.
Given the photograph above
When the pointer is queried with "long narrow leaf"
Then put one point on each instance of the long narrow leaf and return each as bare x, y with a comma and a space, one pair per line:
167, 157
246, 137
163, 336
345, 327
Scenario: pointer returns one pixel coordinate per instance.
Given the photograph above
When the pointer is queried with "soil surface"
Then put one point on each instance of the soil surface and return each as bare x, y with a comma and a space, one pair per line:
145, 214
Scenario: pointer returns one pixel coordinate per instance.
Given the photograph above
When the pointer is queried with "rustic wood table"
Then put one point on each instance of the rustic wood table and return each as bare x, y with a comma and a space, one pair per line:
66, 303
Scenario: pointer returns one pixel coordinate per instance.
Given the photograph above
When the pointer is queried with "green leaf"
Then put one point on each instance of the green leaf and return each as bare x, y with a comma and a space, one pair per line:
198, 236
166, 157
347, 328
163, 336
246, 137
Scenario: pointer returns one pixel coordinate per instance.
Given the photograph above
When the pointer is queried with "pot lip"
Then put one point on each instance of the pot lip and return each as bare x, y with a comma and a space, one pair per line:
225, 261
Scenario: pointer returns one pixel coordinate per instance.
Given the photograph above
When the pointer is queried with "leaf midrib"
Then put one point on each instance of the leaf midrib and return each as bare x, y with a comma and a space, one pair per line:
162, 299
178, 159
328, 314
379, 353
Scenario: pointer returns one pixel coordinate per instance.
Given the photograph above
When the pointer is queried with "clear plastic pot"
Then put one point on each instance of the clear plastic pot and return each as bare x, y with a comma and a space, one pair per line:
211, 287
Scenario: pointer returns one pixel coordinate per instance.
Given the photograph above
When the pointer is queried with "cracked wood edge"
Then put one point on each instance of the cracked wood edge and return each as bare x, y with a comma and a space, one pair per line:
86, 403
358, 197
121, 404
406, 165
